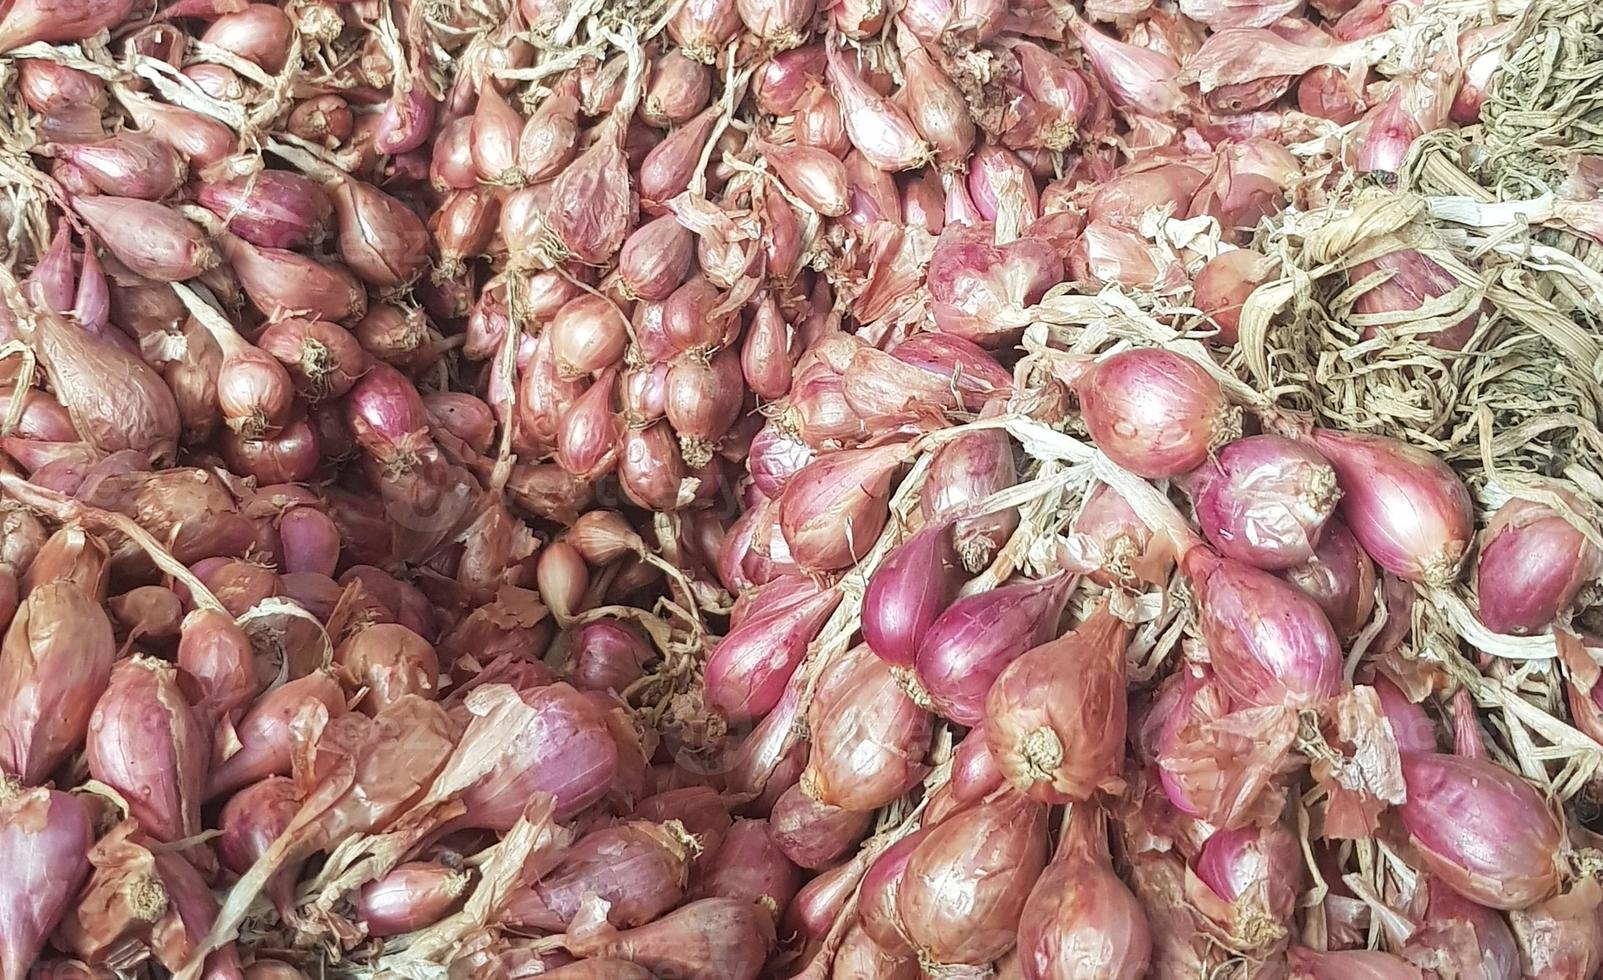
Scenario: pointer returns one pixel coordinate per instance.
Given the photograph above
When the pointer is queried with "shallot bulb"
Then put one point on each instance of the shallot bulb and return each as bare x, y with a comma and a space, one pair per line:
1055, 718
1485, 832
1407, 508
1264, 500
962, 473
833, 510
982, 290
1340, 578
814, 834
974, 640
147, 743
908, 592
748, 669
1351, 964
868, 737
968, 880
45, 837
1156, 413
54, 665
1270, 644
414, 895
710, 939
1080, 921
1533, 562
1257, 869
640, 869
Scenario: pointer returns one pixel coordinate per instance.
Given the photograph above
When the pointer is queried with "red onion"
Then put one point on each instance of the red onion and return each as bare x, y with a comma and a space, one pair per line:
817, 122
1340, 578
45, 838
1254, 867
151, 239
1264, 500
1269, 644
702, 812
591, 209
781, 80
607, 656
833, 510
939, 112
1155, 413
565, 751
679, 88
775, 456
54, 665
1560, 937
814, 175
640, 869
389, 661
879, 130
380, 239
1352, 964
1222, 286
908, 592
821, 902
216, 656
703, 402
34, 20
967, 881
749, 868
702, 27
656, 258
971, 371
1055, 717
278, 280
128, 164
748, 669
814, 834
765, 356
877, 911
1533, 562
979, 635
414, 895
713, 939
982, 290
405, 123
1407, 508
249, 822
48, 85
962, 473
1460, 934
1485, 832
1080, 920
264, 732
1413, 281
260, 33
1136, 78
146, 743
649, 467
869, 739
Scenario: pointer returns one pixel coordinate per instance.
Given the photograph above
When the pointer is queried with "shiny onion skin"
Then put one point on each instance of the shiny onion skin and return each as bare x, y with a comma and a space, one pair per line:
908, 592
264, 732
813, 834
962, 473
1154, 412
835, 507
1080, 921
1340, 578
877, 911
982, 290
1270, 645
974, 640
1259, 868
45, 836
249, 822
1055, 718
869, 739
1485, 832
748, 670
969, 878
1532, 564
1407, 508
1264, 500
414, 895
1351, 964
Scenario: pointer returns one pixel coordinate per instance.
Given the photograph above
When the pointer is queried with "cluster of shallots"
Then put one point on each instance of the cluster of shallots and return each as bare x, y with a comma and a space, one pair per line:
607, 493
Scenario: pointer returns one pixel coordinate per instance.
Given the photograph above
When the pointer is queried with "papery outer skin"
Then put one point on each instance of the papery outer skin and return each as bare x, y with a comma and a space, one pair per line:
981, 289
979, 635
748, 867
1154, 412
1352, 964
1055, 718
965, 471
969, 878
1532, 565
1264, 500
1410, 512
746, 674
55, 663
834, 509
1482, 830
639, 868
1270, 645
869, 739
565, 752
877, 910
45, 838
146, 743
414, 895
1081, 923
814, 834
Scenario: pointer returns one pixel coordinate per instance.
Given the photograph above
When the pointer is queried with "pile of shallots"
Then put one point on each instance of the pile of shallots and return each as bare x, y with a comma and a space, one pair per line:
635, 491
